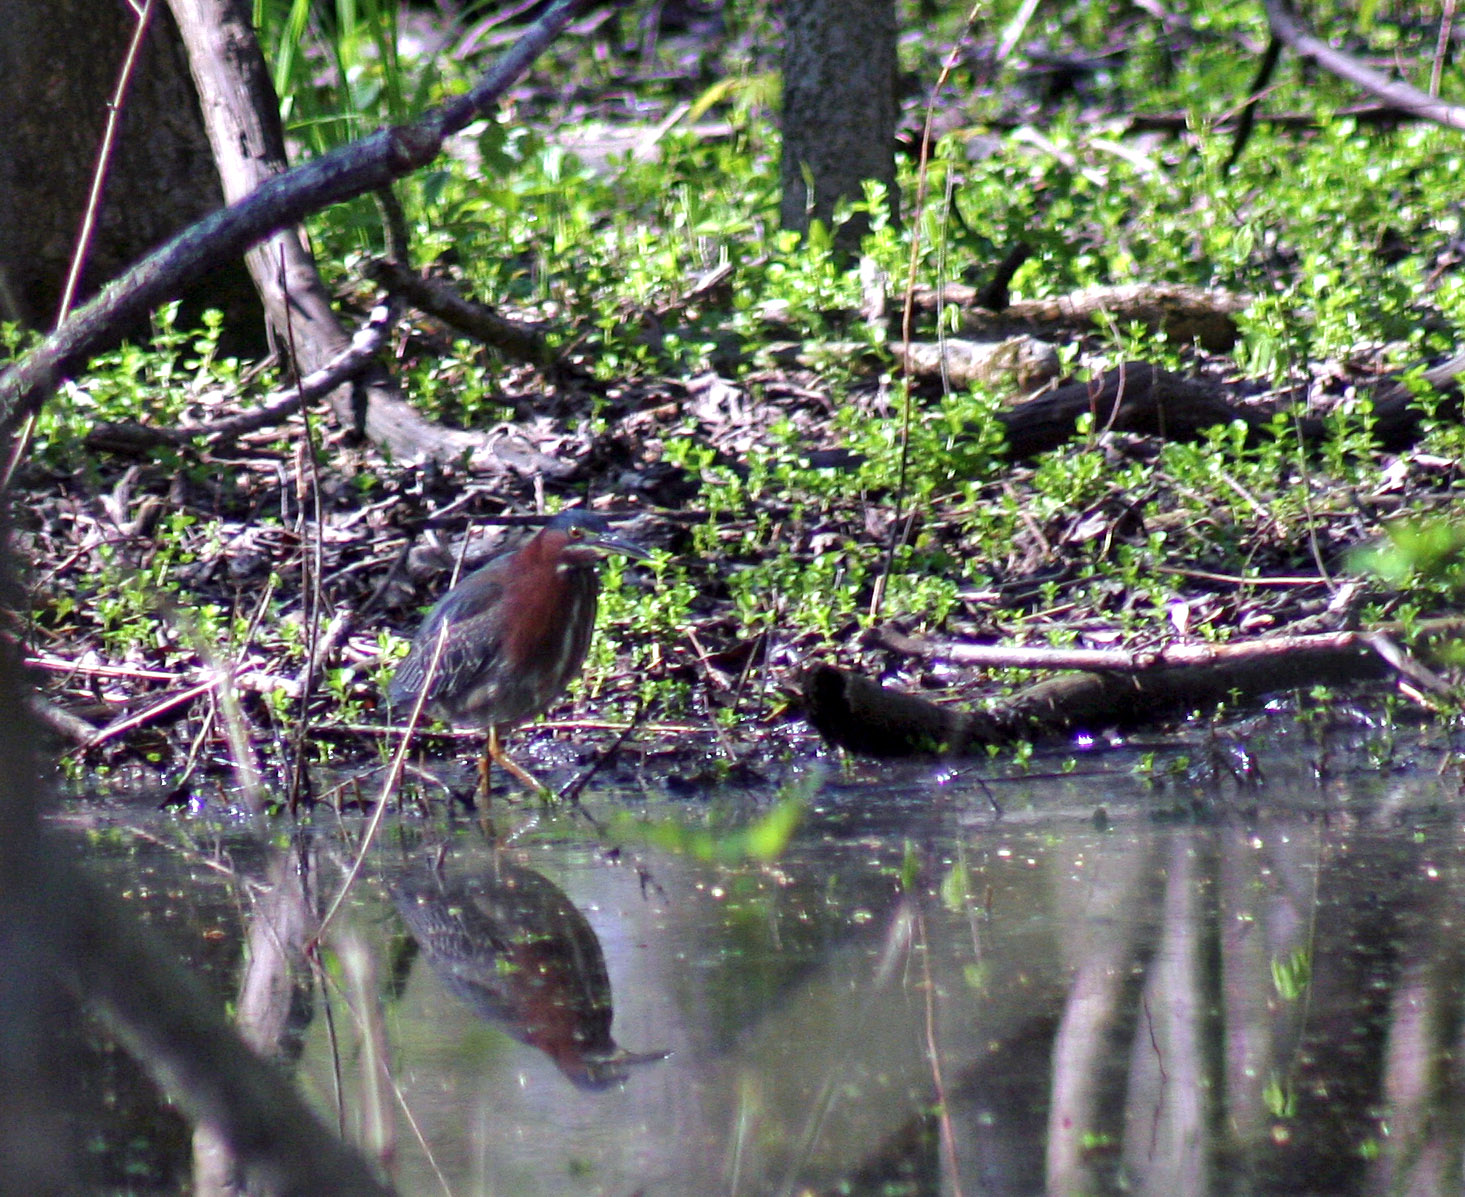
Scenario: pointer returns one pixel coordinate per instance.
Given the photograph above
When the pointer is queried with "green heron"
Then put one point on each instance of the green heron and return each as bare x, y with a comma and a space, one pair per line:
503, 644
510, 943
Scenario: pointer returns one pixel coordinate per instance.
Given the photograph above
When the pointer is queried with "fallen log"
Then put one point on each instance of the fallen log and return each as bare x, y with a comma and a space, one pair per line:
1139, 397
1183, 313
857, 713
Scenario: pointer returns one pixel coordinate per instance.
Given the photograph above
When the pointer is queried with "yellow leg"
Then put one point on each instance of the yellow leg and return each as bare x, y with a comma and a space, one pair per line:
485, 762
497, 753
485, 796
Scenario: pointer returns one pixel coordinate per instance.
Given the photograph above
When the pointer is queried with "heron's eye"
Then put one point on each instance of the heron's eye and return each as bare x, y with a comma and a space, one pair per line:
576, 532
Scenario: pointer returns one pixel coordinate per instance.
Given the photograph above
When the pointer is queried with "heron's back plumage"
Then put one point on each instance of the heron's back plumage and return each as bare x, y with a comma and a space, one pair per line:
504, 643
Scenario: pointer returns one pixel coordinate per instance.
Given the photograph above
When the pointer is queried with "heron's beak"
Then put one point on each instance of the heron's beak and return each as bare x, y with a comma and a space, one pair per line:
620, 544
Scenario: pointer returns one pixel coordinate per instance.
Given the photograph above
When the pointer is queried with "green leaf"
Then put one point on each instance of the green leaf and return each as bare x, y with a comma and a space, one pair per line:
955, 886
910, 868
1280, 1098
1417, 549
1291, 976
764, 839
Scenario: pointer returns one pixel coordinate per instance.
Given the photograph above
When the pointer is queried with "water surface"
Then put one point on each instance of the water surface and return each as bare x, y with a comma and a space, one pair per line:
1197, 985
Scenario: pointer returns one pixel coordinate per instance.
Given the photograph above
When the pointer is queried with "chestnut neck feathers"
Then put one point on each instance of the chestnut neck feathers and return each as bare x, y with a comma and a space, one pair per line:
551, 574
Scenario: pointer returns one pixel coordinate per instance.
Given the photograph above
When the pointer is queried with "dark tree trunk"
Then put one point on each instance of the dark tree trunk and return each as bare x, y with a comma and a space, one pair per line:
59, 63
838, 107
63, 942
37, 1153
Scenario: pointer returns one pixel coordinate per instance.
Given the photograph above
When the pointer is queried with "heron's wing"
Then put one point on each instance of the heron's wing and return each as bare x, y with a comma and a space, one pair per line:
466, 623
469, 650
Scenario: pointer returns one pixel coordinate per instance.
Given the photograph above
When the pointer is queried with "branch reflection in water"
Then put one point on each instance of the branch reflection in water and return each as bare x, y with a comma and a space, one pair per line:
514, 948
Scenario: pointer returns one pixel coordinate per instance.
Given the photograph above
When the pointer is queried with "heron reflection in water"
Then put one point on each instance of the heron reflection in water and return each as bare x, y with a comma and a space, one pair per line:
511, 944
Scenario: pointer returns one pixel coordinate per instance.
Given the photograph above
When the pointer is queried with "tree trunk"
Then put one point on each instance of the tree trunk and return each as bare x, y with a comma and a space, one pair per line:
241, 114
838, 108
59, 64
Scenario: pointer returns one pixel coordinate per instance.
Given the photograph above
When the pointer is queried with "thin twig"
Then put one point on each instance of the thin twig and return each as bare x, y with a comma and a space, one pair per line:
515, 340
394, 774
1284, 24
104, 161
153, 711
1014, 31
1442, 46
907, 314
1406, 665
307, 485
933, 1054
273, 409
389, 732
1247, 121
1159, 657
358, 1018
572, 791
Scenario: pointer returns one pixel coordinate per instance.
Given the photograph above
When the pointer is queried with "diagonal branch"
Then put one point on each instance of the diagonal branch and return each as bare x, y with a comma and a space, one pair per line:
132, 437
1286, 26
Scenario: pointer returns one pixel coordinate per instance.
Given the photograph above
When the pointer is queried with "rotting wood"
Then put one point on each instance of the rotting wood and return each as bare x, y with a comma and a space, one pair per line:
1184, 313
1021, 361
1184, 122
1024, 361
1133, 397
1118, 688
1139, 397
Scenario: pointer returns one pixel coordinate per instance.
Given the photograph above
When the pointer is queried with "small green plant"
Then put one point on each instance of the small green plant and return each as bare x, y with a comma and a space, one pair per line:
763, 839
1291, 975
1280, 1098
955, 887
1418, 551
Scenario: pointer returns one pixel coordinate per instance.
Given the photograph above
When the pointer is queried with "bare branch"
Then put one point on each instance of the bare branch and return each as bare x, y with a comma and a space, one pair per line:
1114, 689
516, 340
1286, 26
275, 409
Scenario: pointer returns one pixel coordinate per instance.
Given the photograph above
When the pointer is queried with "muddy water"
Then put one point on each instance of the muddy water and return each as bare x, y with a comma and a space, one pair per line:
1112, 985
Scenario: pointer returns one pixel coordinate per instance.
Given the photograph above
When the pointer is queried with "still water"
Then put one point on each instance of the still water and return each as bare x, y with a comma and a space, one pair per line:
1079, 983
